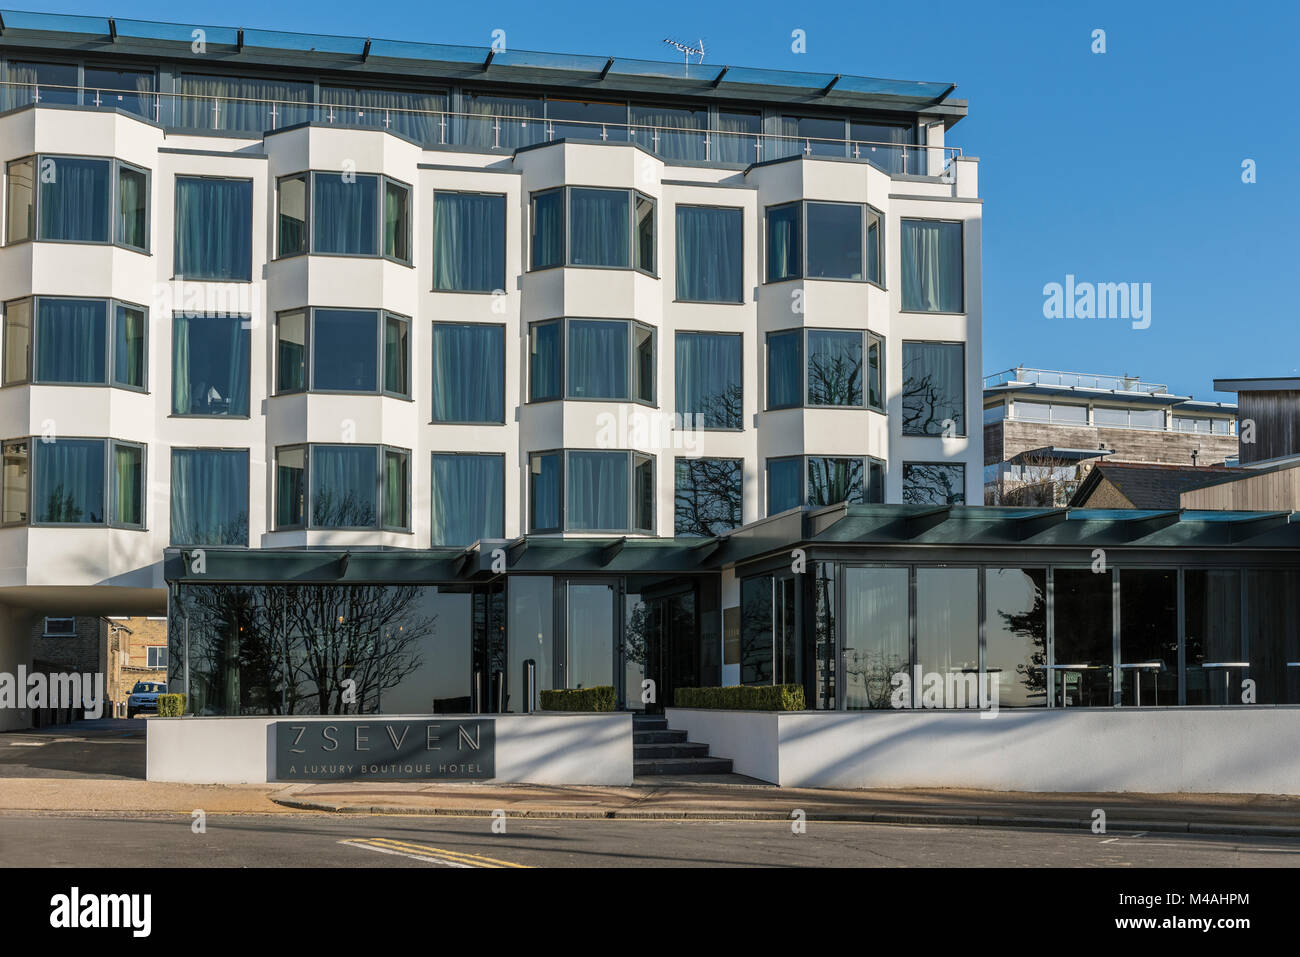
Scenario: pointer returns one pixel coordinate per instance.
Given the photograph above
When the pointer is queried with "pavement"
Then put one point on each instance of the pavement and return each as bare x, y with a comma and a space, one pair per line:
98, 767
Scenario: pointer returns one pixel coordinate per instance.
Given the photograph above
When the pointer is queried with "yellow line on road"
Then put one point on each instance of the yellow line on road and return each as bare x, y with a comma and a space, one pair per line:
460, 857
365, 845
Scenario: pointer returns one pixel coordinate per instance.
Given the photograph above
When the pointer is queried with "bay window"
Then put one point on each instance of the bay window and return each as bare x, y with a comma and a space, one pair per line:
931, 265
468, 497
844, 368
823, 480
79, 481
934, 388
359, 351
469, 370
52, 340
14, 480
825, 240
591, 490
589, 226
78, 199
342, 487
603, 359
344, 214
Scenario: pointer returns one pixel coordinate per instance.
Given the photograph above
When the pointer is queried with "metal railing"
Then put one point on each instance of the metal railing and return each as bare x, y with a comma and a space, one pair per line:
491, 132
1080, 380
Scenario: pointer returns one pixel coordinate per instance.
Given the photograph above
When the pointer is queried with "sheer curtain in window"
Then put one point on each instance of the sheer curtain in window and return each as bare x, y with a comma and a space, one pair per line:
209, 495
931, 265
75, 202
416, 116
467, 498
469, 242
240, 104
344, 486
214, 229
468, 373
598, 359
69, 481
709, 379
599, 228
345, 215
70, 340
597, 487
709, 254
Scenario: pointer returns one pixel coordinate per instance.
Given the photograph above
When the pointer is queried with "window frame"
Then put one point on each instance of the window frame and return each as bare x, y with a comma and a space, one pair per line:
114, 202
381, 187
677, 297
245, 325
680, 414
566, 233
27, 456
505, 238
505, 362
306, 178
176, 233
739, 461
149, 650
381, 450
864, 233
564, 395
309, 350
70, 633
868, 336
869, 462
248, 501
965, 378
110, 353
563, 511
433, 475
106, 493
961, 245
945, 464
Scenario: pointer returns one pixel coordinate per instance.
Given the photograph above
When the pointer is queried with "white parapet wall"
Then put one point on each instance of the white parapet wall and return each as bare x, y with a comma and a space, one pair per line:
1241, 750
529, 749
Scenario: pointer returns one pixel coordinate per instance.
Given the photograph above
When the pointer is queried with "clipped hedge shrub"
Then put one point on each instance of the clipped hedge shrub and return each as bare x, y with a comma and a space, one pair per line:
743, 698
599, 698
171, 705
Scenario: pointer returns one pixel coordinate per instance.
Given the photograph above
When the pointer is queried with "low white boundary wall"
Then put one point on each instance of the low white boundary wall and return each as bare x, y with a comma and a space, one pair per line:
1243, 750
530, 749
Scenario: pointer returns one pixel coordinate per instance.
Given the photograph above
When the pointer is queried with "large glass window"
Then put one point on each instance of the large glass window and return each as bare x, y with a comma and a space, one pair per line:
1082, 620
210, 365
887, 147
584, 119
737, 139
1015, 634
417, 116
756, 630
88, 482
209, 497
675, 133
1272, 636
1213, 635
76, 342
710, 386
469, 242
708, 498
819, 480
931, 264
503, 122
78, 199
607, 228
947, 635
1148, 636
607, 359
345, 349
875, 635
468, 372
835, 374
934, 483
710, 254
468, 498
352, 214
46, 83
214, 229
934, 388
531, 627
349, 486
821, 240
128, 90
239, 104
600, 491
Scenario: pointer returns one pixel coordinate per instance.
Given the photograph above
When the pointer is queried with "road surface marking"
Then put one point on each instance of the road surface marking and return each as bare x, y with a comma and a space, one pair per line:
425, 852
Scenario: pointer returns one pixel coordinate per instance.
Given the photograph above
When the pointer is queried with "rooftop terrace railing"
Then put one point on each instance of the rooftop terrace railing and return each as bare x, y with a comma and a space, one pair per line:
1080, 380
485, 131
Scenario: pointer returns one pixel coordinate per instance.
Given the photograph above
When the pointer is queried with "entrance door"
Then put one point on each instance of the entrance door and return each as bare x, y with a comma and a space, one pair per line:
591, 633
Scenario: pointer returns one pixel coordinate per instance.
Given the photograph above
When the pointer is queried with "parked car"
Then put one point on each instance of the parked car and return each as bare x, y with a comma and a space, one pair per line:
144, 698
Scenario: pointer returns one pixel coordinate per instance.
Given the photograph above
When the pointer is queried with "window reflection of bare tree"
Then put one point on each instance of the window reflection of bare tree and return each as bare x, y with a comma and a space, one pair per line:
831, 481
926, 406
869, 677
334, 509
835, 379
708, 497
935, 484
288, 649
1041, 481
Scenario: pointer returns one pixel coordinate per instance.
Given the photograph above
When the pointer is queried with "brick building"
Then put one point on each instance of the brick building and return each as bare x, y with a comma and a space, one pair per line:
126, 650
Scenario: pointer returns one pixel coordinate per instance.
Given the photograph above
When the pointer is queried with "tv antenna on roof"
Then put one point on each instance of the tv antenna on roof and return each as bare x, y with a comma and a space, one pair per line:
685, 49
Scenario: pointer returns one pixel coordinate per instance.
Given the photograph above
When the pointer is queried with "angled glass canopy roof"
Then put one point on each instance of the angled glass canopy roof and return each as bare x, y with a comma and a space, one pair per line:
50, 25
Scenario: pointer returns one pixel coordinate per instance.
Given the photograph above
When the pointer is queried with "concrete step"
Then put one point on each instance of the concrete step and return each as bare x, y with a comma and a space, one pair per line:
689, 749
658, 737
682, 766
649, 722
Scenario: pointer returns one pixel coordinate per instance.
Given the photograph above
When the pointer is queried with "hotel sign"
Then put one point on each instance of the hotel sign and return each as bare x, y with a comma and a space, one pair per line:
351, 750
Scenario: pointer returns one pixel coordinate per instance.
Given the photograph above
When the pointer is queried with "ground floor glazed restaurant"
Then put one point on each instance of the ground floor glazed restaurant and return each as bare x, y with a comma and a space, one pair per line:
1052, 608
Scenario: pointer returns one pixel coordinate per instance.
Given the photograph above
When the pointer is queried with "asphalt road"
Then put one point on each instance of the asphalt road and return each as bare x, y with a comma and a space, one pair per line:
83, 840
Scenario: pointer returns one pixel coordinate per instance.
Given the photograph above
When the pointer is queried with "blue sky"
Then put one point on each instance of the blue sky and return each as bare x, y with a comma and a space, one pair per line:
1115, 167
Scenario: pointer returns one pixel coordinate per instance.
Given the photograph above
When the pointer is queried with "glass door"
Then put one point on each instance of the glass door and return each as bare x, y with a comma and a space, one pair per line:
875, 636
591, 633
